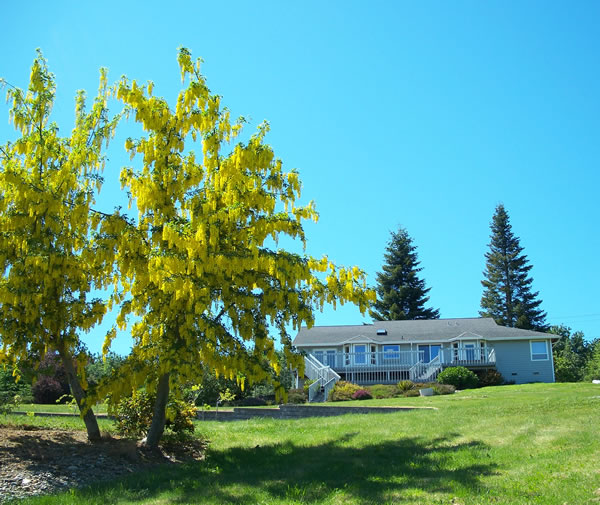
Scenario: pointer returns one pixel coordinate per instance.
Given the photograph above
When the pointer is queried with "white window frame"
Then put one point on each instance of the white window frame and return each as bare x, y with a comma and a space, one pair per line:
391, 353
363, 354
532, 354
324, 351
347, 349
373, 349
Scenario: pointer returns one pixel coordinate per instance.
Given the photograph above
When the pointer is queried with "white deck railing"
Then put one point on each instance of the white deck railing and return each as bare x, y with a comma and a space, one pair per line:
324, 377
388, 367
405, 360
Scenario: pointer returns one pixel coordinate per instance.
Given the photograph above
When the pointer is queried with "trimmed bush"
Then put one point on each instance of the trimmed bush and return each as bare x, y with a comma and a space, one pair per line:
343, 391
406, 385
459, 377
362, 394
490, 378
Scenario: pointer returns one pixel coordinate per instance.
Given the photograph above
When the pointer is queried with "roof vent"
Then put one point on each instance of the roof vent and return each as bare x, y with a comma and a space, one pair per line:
381, 332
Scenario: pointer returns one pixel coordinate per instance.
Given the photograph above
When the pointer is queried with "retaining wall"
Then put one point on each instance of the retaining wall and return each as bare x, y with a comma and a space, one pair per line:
289, 411
295, 412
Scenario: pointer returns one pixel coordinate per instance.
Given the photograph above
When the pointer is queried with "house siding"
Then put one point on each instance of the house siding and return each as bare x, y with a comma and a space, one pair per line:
513, 361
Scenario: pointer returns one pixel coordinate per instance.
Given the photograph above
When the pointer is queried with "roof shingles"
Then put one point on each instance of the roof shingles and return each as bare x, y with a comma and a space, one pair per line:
431, 330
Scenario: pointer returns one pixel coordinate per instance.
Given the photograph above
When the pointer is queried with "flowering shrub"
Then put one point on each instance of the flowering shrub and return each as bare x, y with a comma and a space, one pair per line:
343, 391
362, 394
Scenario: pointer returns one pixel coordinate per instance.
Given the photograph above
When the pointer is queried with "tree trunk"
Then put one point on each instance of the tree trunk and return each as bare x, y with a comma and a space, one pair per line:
91, 424
160, 413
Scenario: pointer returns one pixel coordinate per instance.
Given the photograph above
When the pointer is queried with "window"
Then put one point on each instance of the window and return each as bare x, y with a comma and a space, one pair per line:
347, 355
539, 350
391, 351
373, 354
360, 351
428, 353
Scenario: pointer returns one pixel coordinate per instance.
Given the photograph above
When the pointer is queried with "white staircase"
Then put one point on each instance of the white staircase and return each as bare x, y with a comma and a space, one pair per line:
324, 378
426, 372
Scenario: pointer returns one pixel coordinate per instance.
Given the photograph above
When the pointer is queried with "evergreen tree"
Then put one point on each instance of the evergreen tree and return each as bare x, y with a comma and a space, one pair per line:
507, 295
401, 294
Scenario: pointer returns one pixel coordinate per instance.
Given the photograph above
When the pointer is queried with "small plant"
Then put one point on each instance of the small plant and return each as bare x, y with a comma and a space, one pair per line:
405, 385
68, 400
226, 397
7, 403
459, 377
411, 393
362, 394
307, 384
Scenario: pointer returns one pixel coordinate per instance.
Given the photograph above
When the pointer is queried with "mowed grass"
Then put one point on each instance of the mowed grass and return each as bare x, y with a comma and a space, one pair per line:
58, 408
532, 444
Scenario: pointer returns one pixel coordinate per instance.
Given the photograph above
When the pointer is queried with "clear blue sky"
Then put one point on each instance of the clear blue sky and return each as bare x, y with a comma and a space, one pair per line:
419, 114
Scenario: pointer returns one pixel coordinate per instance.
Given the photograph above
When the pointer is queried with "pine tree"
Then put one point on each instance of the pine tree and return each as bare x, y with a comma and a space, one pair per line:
401, 294
507, 295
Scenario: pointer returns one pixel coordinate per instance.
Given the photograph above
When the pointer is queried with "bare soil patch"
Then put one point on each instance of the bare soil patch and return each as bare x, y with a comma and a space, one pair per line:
36, 460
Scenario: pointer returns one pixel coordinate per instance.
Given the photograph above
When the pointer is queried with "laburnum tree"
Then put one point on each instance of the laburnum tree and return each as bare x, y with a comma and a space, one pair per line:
401, 293
507, 294
48, 253
199, 268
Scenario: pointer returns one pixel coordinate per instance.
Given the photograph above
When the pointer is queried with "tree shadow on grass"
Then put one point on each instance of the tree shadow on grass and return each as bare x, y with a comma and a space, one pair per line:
372, 473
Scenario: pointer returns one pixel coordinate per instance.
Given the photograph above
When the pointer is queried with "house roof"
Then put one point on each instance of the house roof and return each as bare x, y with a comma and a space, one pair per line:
423, 330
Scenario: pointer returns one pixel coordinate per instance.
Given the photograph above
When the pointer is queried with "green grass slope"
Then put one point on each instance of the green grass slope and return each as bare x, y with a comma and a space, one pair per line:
532, 444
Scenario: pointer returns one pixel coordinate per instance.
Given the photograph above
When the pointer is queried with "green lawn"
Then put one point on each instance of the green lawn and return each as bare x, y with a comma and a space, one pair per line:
533, 444
61, 408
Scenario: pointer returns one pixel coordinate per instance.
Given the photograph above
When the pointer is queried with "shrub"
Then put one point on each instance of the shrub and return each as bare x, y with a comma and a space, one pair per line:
410, 393
51, 381
459, 377
9, 387
134, 415
383, 391
296, 396
343, 391
362, 394
47, 390
251, 401
443, 389
490, 378
405, 385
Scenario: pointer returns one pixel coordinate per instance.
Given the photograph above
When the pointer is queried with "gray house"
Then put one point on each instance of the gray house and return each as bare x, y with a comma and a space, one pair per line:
390, 351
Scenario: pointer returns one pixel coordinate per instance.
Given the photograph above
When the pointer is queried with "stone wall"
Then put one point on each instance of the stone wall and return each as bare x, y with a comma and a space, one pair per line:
291, 411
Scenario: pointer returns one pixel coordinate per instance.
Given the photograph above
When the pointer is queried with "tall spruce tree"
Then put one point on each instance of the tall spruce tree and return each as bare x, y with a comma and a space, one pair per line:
507, 294
401, 294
